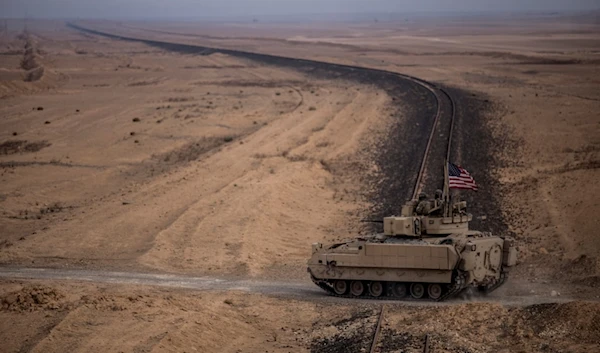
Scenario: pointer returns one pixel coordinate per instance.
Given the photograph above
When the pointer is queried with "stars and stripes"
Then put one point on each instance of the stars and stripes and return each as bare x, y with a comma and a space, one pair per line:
459, 178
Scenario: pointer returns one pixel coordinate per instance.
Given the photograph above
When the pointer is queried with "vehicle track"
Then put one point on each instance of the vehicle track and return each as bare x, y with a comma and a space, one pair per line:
282, 289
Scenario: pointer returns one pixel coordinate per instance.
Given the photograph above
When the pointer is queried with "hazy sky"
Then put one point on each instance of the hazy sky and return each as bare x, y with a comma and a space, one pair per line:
224, 8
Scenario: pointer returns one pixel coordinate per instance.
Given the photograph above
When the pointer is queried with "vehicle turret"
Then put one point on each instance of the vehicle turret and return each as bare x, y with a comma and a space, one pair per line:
437, 222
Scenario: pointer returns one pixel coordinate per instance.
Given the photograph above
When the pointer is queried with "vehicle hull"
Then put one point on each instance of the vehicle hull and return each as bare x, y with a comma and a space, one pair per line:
445, 266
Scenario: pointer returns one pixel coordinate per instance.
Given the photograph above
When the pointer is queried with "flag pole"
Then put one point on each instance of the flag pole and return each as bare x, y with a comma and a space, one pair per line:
446, 191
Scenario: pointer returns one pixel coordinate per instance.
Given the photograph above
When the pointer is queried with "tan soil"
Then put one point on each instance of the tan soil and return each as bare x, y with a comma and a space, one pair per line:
172, 167
133, 319
233, 174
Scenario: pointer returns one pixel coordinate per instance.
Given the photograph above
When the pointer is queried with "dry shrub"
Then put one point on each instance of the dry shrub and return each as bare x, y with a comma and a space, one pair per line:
23, 36
143, 83
179, 99
30, 62
192, 151
34, 74
29, 50
31, 298
21, 146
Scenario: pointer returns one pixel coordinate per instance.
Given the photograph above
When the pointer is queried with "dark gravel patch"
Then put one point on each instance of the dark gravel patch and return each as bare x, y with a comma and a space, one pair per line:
394, 341
21, 146
479, 143
434, 165
347, 343
355, 334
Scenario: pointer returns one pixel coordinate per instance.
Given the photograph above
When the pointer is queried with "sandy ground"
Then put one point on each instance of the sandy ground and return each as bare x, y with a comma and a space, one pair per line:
129, 157
181, 160
80, 318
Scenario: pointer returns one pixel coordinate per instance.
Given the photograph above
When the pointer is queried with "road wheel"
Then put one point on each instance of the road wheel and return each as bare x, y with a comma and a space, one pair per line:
376, 289
400, 290
434, 290
417, 290
357, 288
340, 287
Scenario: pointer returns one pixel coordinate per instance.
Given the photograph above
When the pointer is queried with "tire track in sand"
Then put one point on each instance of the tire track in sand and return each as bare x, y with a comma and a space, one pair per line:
296, 290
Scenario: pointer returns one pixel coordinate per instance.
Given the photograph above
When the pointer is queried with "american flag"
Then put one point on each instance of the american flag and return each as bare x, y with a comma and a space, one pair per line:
459, 178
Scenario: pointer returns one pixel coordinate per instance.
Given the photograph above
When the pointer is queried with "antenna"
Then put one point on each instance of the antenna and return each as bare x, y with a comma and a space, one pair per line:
25, 21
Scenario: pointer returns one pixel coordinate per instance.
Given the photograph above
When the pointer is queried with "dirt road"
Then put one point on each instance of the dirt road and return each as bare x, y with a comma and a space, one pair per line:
515, 294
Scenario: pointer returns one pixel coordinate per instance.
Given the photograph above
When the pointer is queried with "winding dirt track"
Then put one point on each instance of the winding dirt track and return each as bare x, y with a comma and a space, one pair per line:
413, 144
428, 102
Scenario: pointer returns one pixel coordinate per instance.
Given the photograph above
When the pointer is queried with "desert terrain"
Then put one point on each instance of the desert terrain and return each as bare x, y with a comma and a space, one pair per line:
156, 199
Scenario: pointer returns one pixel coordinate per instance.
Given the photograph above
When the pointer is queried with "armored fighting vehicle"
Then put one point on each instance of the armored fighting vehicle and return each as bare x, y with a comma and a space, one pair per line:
424, 255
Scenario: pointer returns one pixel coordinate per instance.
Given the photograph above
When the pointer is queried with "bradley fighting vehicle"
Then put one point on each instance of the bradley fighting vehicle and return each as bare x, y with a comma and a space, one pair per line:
430, 254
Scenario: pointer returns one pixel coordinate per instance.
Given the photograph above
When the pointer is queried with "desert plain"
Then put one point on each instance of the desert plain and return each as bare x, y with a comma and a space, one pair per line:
158, 200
